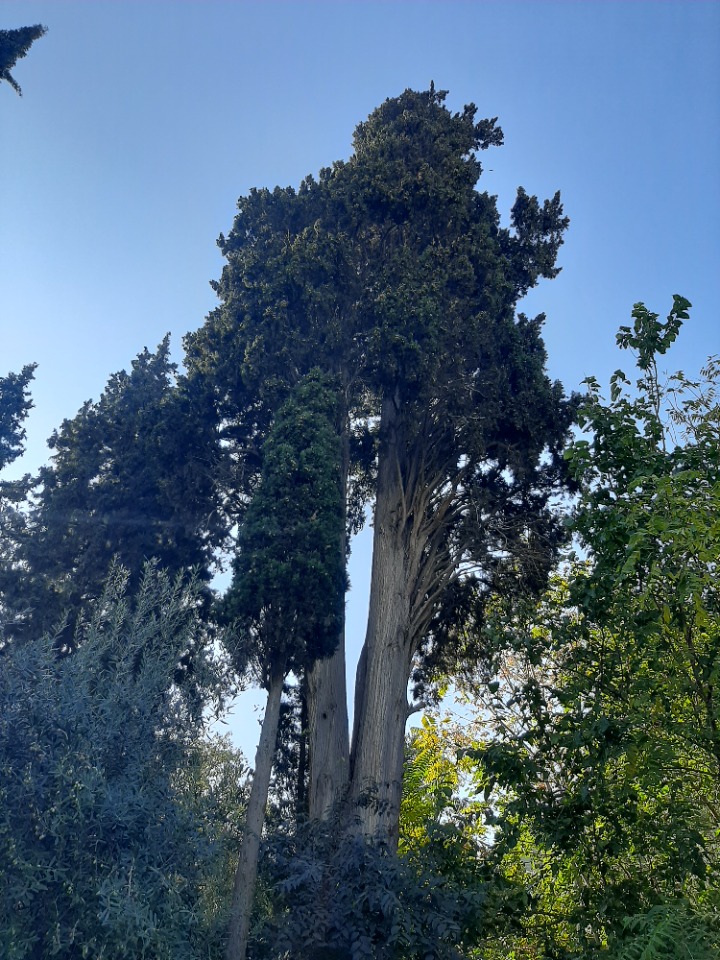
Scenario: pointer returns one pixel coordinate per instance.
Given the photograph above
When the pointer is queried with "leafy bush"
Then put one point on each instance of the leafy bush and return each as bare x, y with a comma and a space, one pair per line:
109, 830
327, 899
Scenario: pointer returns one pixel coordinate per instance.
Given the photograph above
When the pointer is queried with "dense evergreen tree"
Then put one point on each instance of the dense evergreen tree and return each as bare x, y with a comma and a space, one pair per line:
131, 478
288, 590
392, 273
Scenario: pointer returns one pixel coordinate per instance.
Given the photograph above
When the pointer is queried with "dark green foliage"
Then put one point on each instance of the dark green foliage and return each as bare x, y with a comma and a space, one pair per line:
287, 596
288, 292
288, 797
131, 479
441, 278
286, 600
14, 44
15, 404
354, 901
674, 931
109, 839
391, 272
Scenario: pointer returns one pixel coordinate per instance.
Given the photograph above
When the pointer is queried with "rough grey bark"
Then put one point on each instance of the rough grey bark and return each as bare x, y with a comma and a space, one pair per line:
246, 873
384, 668
413, 562
328, 734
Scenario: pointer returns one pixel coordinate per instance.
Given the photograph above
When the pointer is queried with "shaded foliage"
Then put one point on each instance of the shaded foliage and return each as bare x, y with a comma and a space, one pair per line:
14, 45
112, 829
286, 600
15, 404
355, 900
131, 479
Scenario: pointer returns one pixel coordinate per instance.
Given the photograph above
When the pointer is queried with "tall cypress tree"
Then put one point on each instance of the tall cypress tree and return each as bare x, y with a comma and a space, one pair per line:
392, 272
287, 595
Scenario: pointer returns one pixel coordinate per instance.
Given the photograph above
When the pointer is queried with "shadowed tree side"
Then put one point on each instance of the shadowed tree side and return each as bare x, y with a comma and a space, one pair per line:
15, 404
288, 298
132, 477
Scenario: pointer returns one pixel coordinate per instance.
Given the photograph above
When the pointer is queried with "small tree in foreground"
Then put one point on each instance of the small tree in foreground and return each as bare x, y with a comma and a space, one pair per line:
112, 830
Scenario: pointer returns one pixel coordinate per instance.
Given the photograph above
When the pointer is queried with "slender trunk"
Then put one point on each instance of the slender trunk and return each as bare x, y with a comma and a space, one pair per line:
328, 727
381, 715
246, 873
301, 810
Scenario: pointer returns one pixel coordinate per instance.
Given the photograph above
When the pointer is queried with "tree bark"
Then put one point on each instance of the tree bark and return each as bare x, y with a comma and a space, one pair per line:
246, 873
328, 734
381, 715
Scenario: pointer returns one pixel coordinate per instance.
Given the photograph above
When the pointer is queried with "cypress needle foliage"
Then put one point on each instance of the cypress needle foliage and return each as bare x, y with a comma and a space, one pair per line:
392, 273
288, 589
15, 404
131, 479
14, 44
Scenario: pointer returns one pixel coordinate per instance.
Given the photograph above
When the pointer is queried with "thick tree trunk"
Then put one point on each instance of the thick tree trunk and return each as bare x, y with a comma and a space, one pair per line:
381, 713
246, 873
328, 734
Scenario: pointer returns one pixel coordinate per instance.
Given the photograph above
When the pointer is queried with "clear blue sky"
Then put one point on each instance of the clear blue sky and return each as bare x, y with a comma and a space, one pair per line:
142, 122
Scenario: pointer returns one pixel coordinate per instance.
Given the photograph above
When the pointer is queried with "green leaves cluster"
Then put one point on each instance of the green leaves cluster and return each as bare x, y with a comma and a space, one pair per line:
596, 741
112, 830
604, 698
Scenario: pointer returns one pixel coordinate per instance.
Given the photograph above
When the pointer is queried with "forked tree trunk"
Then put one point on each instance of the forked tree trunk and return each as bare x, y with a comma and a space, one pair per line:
383, 672
246, 873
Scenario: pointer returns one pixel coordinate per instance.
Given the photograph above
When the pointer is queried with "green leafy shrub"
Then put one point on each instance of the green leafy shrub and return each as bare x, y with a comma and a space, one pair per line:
109, 838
